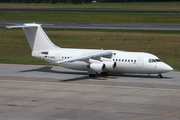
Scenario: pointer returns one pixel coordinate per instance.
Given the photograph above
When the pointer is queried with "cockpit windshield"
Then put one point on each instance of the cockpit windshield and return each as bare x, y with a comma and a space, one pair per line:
154, 60
158, 60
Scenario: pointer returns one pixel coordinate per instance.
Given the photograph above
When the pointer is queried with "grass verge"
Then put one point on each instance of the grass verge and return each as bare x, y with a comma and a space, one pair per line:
88, 17
126, 6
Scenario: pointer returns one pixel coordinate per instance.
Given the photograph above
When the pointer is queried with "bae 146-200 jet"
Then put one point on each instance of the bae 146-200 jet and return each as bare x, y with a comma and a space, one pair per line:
93, 61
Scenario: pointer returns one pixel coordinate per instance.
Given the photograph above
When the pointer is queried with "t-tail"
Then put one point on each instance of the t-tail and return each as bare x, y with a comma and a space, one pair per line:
37, 38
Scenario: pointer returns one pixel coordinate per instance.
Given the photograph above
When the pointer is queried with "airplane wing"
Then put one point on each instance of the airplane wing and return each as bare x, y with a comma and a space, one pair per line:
88, 56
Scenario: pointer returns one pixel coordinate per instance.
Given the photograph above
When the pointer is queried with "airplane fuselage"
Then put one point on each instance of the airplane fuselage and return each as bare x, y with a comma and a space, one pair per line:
126, 62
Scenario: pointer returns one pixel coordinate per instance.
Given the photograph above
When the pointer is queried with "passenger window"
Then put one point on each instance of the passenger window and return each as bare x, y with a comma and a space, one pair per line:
44, 53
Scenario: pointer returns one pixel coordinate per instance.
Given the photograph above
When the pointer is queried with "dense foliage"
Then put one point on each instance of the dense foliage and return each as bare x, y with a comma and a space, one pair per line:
80, 1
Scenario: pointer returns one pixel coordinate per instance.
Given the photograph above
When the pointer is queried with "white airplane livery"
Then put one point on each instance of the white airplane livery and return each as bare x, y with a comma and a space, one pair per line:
93, 61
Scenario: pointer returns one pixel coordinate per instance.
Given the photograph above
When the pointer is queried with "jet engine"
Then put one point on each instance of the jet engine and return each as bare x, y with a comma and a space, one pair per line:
110, 65
98, 67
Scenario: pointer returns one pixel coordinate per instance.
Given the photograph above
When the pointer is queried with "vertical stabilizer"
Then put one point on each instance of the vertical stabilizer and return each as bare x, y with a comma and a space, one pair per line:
37, 38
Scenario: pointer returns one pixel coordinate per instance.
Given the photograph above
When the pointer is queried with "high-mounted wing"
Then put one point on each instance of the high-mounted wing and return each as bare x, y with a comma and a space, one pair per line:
87, 57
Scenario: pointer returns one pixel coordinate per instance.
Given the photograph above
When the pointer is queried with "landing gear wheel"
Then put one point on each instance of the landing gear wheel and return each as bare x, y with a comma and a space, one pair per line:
104, 73
159, 76
92, 75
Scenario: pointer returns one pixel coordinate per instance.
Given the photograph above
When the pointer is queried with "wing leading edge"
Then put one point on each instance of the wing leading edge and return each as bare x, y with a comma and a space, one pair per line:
88, 56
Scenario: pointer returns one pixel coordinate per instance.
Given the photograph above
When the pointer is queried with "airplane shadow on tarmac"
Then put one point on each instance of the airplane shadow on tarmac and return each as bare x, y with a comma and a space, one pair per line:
84, 75
48, 69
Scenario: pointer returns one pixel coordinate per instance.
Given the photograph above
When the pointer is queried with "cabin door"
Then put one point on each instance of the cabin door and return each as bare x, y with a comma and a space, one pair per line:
140, 62
58, 56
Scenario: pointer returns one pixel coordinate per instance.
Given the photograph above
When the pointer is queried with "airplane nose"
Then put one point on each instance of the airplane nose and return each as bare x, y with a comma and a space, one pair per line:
165, 67
168, 68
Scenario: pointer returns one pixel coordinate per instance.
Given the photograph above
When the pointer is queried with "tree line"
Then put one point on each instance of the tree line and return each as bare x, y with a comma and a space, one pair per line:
81, 1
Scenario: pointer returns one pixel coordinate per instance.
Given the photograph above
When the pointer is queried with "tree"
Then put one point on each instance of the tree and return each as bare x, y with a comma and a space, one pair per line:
53, 1
76, 1
63, 1
26, 1
87, 1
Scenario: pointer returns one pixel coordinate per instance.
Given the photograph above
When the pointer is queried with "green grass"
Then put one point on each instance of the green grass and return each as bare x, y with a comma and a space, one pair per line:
88, 17
165, 44
93, 17
129, 6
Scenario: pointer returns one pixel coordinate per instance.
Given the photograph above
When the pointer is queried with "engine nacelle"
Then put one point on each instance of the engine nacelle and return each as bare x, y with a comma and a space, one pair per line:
98, 67
110, 65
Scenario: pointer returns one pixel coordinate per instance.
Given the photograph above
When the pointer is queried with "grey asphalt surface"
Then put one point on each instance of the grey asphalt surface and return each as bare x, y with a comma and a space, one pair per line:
123, 26
37, 92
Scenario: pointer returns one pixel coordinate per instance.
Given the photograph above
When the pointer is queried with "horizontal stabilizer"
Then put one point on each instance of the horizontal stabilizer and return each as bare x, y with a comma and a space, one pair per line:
24, 25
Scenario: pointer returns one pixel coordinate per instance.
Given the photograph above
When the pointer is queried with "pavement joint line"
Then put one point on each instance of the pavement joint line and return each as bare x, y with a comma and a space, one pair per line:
143, 118
172, 113
90, 85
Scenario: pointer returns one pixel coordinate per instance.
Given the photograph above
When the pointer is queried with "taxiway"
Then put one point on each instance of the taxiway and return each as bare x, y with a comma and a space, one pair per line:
87, 25
35, 92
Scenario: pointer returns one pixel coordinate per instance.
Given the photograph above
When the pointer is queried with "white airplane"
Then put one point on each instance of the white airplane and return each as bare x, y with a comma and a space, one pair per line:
93, 61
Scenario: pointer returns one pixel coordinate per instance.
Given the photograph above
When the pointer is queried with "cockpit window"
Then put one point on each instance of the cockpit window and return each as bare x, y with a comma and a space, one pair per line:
158, 60
154, 60
150, 61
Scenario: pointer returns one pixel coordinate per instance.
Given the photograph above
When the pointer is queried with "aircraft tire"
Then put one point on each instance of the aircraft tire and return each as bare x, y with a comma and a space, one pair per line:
104, 73
92, 75
159, 76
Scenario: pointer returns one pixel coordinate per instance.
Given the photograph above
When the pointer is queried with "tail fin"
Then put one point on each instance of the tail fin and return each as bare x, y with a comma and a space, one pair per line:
37, 38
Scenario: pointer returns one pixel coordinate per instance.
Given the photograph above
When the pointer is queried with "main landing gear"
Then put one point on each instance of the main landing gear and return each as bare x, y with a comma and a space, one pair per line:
159, 76
104, 73
94, 75
91, 73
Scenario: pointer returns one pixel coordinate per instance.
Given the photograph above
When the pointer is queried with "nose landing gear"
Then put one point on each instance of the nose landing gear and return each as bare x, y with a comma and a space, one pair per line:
159, 76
